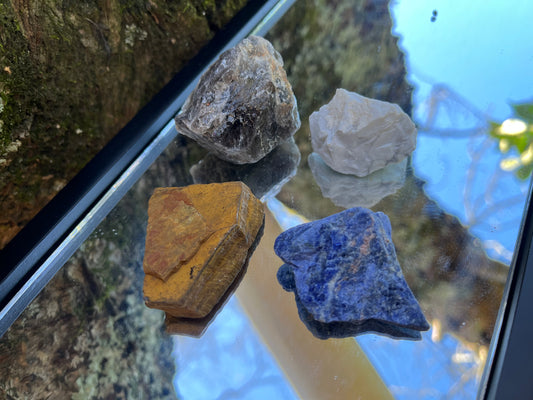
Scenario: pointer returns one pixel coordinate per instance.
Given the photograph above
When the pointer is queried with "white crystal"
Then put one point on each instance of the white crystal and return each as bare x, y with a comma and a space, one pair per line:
357, 135
349, 191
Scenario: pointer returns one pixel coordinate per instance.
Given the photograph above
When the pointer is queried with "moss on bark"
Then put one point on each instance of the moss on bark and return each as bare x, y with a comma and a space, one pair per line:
73, 73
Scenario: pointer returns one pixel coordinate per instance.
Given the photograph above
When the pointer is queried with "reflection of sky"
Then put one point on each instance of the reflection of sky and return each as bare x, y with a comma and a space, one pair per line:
228, 362
479, 53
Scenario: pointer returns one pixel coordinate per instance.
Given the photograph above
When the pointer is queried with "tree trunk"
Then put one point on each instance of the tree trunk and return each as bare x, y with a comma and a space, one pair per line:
72, 74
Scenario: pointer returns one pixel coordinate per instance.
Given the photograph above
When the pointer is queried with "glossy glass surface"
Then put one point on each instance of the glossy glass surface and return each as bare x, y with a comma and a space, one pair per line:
455, 212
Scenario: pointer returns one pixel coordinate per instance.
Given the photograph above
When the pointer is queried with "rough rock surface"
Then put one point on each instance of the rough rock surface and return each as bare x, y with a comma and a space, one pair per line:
174, 234
357, 135
243, 106
346, 277
233, 215
352, 191
264, 178
196, 327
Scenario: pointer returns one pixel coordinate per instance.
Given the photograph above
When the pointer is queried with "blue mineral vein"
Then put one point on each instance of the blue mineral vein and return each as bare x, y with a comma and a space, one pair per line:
346, 277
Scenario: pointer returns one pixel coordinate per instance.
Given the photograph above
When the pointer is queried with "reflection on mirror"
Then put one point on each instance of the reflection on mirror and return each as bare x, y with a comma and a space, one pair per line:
454, 224
346, 277
264, 178
194, 251
349, 191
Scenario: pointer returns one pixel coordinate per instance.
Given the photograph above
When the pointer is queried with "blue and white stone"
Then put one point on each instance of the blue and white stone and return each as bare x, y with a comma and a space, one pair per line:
346, 277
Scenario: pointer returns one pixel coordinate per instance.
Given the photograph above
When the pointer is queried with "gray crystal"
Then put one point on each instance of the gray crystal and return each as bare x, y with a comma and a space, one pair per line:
357, 135
243, 106
264, 178
352, 191
346, 277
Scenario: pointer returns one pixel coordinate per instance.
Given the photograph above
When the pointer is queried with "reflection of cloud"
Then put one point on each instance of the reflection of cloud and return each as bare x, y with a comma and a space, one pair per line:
513, 127
265, 178
499, 249
351, 191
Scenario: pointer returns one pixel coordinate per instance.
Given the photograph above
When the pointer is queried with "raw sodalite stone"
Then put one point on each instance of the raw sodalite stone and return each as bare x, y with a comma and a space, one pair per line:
356, 135
352, 191
264, 178
346, 277
243, 106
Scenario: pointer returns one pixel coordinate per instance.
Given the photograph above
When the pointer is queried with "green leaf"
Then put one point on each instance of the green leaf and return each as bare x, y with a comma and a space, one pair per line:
524, 172
524, 111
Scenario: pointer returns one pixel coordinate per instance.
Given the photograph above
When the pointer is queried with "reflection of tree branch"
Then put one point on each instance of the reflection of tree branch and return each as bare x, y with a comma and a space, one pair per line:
471, 173
466, 378
514, 200
251, 384
449, 133
442, 96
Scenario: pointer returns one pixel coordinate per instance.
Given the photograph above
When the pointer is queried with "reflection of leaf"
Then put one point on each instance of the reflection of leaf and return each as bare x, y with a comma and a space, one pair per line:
524, 111
516, 133
524, 172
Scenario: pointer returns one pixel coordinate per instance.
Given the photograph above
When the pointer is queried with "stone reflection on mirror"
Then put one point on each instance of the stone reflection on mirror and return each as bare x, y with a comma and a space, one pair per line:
349, 191
265, 178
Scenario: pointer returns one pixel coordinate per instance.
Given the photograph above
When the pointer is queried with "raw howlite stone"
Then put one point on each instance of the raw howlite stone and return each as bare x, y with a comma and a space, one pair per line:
352, 191
190, 281
243, 106
346, 277
264, 178
357, 135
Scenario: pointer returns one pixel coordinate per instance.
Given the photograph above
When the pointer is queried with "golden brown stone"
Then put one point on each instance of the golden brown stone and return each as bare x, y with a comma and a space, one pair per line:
206, 268
174, 233
196, 327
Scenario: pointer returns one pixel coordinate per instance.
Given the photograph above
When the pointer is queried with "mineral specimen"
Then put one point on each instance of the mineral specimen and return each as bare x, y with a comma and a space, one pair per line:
196, 327
264, 178
243, 106
225, 218
357, 135
346, 277
352, 191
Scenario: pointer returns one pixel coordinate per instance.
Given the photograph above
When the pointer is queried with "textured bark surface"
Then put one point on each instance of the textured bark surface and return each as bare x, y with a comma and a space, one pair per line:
73, 73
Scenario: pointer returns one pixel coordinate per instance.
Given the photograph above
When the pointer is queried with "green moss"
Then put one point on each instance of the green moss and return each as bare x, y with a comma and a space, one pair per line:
72, 74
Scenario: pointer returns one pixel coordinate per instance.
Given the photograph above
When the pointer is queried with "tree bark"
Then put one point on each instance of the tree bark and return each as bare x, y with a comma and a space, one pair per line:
73, 73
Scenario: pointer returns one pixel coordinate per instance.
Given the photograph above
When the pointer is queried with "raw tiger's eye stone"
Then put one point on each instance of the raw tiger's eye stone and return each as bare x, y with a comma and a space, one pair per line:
195, 327
243, 106
356, 135
227, 218
174, 233
346, 277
